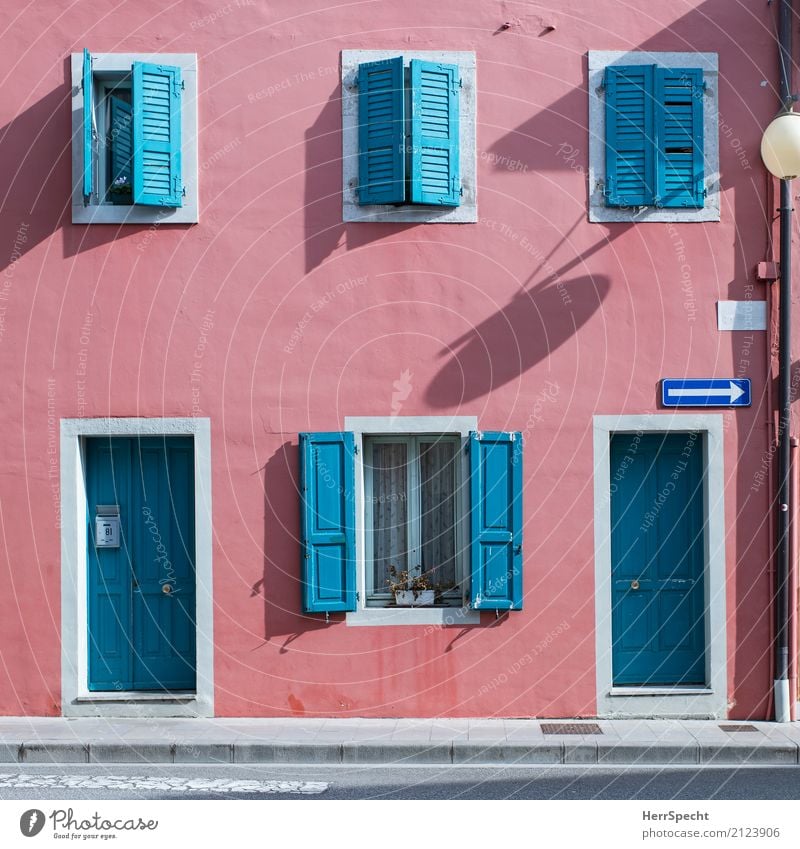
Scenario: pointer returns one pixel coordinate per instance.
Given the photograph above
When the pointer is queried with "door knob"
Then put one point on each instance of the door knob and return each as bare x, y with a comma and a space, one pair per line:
166, 588
635, 584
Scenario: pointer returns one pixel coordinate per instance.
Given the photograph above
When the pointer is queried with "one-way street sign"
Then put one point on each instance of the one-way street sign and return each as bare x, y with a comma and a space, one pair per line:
706, 392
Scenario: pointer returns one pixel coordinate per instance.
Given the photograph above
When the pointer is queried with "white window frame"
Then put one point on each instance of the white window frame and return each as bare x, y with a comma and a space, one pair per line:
365, 426
467, 211
706, 702
599, 211
76, 698
110, 67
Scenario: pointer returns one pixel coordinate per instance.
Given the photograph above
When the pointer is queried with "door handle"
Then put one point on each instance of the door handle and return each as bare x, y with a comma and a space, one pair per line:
635, 584
166, 588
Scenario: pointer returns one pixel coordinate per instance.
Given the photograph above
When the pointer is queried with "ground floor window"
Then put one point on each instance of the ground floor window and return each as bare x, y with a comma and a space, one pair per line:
402, 515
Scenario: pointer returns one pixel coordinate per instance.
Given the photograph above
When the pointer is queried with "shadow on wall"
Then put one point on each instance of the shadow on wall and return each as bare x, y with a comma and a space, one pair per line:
504, 346
280, 586
324, 228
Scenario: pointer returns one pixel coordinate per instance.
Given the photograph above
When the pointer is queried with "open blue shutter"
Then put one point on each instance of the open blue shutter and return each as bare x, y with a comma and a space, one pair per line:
630, 135
435, 173
328, 520
381, 132
496, 520
121, 141
157, 135
88, 128
680, 166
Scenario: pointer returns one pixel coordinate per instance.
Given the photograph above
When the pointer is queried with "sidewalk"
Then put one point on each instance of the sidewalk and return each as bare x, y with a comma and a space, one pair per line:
32, 740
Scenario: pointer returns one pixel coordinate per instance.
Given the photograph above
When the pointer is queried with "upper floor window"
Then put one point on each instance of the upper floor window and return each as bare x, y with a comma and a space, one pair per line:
408, 136
134, 138
653, 152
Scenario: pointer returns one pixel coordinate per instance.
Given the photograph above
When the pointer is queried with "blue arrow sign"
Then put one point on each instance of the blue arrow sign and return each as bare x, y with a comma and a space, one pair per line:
706, 392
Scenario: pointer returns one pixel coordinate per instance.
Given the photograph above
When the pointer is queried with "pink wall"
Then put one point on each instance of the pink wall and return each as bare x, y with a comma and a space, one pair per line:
472, 311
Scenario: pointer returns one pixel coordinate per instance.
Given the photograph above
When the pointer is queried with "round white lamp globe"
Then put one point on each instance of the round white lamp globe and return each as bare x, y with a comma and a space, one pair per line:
780, 146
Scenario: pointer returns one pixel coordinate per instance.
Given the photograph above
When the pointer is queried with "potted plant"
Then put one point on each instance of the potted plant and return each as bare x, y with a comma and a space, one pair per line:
120, 191
410, 590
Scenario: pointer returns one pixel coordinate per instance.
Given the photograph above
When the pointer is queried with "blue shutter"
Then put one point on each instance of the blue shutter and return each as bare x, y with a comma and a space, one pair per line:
679, 130
328, 520
121, 140
630, 135
496, 520
381, 132
435, 173
88, 128
157, 135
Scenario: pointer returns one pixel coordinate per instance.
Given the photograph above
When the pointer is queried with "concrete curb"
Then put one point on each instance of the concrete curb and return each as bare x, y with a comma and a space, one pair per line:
548, 752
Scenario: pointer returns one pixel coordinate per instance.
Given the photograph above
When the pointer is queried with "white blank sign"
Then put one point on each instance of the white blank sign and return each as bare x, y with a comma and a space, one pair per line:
741, 315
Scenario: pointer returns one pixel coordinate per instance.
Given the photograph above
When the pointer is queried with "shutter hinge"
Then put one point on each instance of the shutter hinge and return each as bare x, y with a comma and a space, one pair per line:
705, 193
355, 449
358, 596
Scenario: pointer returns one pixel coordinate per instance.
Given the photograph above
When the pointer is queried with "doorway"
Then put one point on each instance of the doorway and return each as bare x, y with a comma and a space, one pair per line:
140, 563
658, 559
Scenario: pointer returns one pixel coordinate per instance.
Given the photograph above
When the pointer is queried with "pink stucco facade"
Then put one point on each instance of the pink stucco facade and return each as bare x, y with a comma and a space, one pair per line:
271, 316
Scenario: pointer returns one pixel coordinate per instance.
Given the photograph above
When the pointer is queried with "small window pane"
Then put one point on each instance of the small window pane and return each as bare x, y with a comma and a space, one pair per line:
389, 510
438, 484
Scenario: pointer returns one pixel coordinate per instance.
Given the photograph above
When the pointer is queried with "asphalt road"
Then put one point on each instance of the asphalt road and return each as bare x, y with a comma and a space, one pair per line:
124, 781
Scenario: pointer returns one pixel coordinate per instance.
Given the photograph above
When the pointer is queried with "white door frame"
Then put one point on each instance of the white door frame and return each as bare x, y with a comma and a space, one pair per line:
710, 701
76, 699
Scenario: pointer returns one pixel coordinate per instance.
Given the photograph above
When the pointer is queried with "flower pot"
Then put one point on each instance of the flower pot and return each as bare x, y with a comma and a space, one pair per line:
119, 199
406, 598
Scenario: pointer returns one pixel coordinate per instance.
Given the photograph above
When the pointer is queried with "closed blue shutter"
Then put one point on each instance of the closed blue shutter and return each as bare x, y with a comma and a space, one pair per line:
679, 130
630, 135
435, 173
88, 128
496, 520
328, 519
381, 132
121, 141
157, 135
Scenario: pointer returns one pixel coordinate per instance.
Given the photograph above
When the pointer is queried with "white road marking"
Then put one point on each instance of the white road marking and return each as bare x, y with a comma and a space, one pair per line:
147, 782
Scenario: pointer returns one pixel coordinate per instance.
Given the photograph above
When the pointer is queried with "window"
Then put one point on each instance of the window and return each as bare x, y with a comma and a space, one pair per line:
412, 492
408, 136
653, 137
392, 492
134, 138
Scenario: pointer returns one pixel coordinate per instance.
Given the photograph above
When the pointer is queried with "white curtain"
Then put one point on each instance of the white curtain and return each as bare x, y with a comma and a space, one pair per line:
389, 510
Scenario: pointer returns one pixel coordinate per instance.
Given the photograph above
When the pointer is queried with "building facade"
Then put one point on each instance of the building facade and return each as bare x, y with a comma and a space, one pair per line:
301, 307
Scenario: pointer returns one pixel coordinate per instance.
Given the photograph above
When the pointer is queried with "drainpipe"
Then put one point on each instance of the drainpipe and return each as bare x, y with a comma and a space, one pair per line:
781, 684
793, 553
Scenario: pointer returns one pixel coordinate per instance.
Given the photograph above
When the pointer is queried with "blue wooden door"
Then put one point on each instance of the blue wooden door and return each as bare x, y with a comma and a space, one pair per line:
141, 595
657, 559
